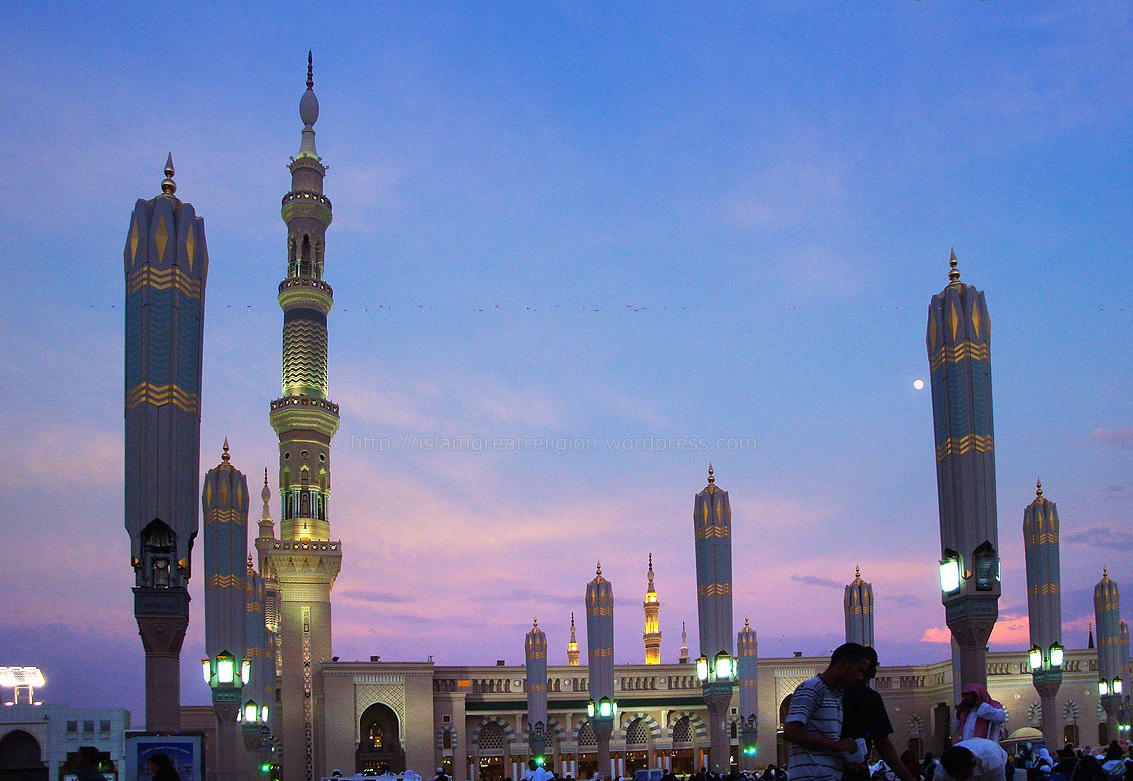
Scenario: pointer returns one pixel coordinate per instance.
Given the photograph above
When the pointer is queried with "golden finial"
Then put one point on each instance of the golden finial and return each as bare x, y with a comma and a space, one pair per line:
250, 565
857, 572
168, 186
535, 622
265, 476
1038, 489
224, 456
599, 574
711, 476
1105, 572
310, 70
954, 273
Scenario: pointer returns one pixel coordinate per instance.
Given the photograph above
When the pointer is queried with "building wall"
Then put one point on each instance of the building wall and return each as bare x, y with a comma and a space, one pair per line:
50, 725
470, 697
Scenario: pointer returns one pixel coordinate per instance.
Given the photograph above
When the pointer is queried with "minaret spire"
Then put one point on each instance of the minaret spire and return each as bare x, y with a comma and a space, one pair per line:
652, 633
305, 560
168, 186
684, 645
572, 646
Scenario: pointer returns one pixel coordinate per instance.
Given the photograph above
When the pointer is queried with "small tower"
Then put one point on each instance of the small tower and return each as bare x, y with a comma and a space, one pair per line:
959, 356
1044, 603
264, 541
535, 654
684, 645
225, 503
600, 643
1107, 615
572, 646
261, 681
858, 606
652, 634
166, 267
747, 646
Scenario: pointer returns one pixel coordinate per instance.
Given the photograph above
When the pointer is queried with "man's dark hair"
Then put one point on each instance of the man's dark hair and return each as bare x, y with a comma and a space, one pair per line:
957, 759
871, 671
849, 652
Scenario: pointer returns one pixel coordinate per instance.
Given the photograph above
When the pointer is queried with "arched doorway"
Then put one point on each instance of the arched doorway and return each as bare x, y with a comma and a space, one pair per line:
587, 751
637, 746
682, 759
21, 758
379, 746
782, 753
491, 751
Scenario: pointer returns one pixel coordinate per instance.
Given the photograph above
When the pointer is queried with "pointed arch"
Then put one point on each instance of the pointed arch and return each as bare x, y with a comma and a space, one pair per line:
696, 724
650, 724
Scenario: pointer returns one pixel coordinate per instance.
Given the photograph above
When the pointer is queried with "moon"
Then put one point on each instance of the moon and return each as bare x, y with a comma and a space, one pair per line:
918, 384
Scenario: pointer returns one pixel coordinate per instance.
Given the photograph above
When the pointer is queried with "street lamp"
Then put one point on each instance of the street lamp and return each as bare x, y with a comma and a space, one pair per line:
723, 668
950, 572
605, 708
1056, 655
1103, 687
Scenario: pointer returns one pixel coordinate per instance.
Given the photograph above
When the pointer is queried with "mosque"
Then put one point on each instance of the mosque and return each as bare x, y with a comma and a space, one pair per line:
474, 721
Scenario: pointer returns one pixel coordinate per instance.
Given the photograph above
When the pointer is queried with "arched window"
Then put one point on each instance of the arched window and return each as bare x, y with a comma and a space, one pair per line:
637, 734
682, 731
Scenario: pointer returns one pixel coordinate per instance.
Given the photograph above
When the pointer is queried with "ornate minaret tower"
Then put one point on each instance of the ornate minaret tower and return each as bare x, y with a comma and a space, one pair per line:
712, 530
535, 654
684, 645
264, 540
600, 641
858, 605
652, 634
166, 264
959, 353
572, 646
747, 646
260, 690
1044, 603
1107, 614
304, 560
225, 502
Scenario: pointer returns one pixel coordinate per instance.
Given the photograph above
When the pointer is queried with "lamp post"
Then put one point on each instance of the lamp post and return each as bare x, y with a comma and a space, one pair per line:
716, 676
600, 642
226, 677
1107, 611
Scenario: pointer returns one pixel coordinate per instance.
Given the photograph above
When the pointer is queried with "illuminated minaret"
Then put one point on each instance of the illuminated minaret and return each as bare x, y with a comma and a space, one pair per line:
959, 353
572, 646
858, 606
305, 559
747, 647
166, 265
264, 540
652, 634
1044, 603
600, 643
1107, 615
683, 659
712, 531
535, 655
224, 501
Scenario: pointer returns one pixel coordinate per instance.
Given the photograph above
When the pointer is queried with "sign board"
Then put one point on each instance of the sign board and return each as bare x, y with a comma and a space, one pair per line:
185, 750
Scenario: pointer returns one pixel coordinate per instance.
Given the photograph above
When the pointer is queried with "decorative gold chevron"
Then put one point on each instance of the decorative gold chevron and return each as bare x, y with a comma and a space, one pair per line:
600, 611
163, 279
977, 351
714, 589
226, 581
133, 241
160, 395
602, 653
982, 443
713, 530
228, 515
1046, 588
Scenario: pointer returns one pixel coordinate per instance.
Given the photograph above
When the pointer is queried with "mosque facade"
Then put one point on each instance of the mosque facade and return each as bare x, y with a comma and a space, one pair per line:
367, 715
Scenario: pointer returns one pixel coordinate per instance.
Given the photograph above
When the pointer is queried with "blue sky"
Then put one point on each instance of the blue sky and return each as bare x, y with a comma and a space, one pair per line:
579, 221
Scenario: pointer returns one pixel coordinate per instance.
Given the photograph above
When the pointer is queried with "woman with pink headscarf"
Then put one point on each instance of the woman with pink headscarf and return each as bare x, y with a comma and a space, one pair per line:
978, 715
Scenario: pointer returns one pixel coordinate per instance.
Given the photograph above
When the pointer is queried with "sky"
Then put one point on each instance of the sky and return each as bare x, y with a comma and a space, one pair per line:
655, 235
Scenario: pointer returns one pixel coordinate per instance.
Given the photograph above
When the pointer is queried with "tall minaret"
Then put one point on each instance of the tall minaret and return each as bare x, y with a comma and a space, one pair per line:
1107, 614
305, 559
858, 606
572, 646
535, 657
166, 265
652, 634
1044, 602
600, 644
747, 646
224, 501
712, 532
684, 645
959, 353
264, 541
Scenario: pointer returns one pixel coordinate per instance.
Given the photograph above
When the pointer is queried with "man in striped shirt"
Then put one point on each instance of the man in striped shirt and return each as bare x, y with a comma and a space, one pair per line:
814, 721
